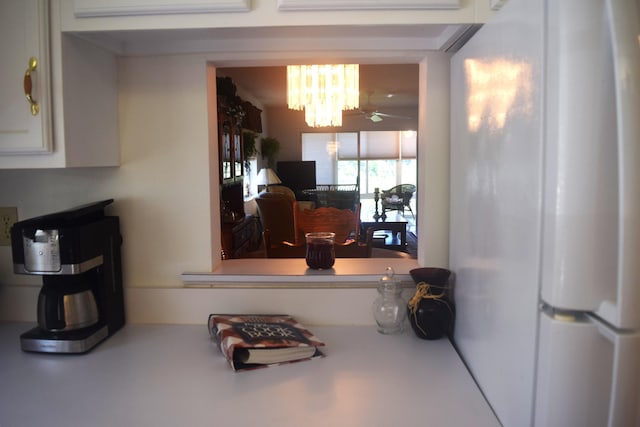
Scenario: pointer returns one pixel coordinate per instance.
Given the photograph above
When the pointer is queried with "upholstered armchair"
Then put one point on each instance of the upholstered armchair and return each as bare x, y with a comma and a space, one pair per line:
282, 189
276, 215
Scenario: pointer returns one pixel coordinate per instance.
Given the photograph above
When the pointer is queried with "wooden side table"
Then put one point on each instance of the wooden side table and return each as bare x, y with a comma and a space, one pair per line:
395, 223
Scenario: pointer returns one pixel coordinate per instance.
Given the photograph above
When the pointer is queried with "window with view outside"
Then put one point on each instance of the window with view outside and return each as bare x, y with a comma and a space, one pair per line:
380, 159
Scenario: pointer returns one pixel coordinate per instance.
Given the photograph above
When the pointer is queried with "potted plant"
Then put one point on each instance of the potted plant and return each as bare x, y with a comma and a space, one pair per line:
250, 150
269, 148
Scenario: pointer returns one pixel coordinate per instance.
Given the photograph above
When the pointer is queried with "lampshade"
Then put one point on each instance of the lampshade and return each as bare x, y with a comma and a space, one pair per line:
267, 176
324, 91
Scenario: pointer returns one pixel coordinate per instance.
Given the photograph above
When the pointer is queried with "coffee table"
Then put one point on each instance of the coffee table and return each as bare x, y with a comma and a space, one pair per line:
394, 223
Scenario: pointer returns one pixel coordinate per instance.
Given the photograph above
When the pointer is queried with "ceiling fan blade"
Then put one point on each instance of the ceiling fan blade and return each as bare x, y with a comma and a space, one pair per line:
392, 116
375, 118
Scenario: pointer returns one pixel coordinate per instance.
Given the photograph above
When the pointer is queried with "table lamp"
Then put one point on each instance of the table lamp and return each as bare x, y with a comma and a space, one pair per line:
266, 177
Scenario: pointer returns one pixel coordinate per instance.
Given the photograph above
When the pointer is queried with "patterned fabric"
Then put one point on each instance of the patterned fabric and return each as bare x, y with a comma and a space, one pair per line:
235, 333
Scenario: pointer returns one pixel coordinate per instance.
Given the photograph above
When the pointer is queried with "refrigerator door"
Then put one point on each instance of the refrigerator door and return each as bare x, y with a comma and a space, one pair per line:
496, 175
625, 34
587, 375
591, 205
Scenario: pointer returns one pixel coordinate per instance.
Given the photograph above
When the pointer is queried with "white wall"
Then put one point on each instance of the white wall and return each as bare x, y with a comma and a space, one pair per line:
161, 189
433, 161
162, 193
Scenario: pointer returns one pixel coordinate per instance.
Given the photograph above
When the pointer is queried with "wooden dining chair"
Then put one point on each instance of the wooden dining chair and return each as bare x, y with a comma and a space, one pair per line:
281, 249
345, 223
349, 249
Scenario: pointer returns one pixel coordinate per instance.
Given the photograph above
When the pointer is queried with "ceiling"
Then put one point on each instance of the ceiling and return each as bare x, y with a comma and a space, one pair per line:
388, 58
381, 85
247, 44
255, 57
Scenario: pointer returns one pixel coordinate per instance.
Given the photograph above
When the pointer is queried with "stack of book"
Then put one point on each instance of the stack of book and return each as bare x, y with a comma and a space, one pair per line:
251, 341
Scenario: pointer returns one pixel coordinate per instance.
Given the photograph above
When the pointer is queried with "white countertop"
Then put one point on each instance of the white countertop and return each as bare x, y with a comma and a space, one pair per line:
287, 270
173, 375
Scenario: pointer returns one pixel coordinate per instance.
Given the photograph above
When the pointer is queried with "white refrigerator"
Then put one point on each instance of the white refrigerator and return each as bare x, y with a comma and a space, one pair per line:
545, 211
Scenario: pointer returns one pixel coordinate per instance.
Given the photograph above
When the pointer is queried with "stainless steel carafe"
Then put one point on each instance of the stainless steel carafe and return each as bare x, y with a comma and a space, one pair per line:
66, 307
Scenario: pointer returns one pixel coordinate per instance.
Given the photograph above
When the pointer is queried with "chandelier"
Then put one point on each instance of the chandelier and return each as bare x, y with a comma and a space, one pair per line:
324, 91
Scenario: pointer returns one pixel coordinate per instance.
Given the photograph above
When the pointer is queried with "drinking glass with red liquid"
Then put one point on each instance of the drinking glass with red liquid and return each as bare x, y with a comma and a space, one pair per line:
321, 252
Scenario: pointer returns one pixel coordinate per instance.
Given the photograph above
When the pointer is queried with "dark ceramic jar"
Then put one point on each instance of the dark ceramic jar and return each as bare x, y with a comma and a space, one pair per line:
432, 318
431, 311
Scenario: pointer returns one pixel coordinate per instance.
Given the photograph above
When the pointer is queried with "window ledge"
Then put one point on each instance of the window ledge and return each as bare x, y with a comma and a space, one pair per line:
294, 273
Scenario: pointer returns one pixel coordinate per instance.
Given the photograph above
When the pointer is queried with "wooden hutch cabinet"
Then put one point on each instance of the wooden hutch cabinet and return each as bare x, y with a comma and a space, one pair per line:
230, 147
240, 237
239, 232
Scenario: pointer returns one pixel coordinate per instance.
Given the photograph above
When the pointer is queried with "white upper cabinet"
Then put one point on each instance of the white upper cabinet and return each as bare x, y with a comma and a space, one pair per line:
367, 4
25, 126
71, 117
123, 15
94, 8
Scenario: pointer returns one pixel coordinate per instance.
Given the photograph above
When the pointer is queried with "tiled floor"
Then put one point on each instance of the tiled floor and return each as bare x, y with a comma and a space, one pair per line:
367, 207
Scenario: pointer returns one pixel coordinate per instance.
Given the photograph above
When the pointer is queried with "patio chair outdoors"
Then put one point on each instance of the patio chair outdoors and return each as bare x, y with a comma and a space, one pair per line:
398, 198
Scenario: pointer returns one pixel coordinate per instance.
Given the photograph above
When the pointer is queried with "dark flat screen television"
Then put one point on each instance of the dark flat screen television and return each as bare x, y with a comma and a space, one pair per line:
297, 175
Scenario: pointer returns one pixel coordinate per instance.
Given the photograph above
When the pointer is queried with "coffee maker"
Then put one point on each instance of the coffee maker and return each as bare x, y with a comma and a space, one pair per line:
77, 253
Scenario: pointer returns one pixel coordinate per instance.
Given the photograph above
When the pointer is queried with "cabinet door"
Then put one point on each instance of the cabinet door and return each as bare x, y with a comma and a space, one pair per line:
225, 143
98, 8
24, 32
237, 152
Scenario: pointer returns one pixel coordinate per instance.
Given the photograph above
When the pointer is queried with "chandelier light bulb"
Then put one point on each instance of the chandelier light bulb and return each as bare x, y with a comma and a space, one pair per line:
323, 91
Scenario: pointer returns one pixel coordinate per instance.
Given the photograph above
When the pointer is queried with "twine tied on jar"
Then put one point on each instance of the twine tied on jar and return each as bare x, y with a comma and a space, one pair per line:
423, 291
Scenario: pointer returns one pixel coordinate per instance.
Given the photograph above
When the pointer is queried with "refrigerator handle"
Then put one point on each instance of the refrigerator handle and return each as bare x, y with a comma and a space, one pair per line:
625, 381
624, 18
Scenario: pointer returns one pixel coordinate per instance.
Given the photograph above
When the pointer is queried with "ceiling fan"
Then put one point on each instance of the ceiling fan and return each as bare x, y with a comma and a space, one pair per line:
376, 116
370, 112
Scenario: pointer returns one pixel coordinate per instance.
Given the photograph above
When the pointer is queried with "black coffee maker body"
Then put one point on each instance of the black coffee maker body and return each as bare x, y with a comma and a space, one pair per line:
77, 253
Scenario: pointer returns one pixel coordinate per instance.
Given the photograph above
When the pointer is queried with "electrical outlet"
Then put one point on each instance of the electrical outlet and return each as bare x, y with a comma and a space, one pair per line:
8, 216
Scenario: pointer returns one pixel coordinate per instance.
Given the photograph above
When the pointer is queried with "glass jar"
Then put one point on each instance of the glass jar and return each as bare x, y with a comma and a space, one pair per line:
321, 252
389, 309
